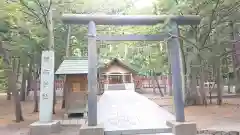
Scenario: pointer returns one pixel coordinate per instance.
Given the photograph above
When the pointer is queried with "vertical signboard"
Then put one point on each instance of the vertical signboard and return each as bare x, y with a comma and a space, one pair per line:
46, 86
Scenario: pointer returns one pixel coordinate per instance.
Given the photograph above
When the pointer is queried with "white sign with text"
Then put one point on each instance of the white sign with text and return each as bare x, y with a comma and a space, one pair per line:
46, 86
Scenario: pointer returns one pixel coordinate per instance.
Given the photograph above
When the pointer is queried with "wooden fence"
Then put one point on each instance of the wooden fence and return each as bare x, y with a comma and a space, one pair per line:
140, 82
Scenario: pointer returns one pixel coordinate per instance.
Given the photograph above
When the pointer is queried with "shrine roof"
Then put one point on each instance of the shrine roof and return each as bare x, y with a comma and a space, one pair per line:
121, 63
79, 65
73, 65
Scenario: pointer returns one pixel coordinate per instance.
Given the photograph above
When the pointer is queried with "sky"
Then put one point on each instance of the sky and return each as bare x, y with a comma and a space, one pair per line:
144, 3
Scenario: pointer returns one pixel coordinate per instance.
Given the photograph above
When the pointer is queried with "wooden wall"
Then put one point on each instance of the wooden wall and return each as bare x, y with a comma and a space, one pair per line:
72, 80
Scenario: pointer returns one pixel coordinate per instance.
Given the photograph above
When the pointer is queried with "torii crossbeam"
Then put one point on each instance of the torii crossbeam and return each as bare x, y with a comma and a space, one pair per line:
173, 46
129, 19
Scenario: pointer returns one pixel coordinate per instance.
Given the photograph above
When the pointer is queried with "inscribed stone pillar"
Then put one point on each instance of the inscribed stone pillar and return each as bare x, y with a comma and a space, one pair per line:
46, 86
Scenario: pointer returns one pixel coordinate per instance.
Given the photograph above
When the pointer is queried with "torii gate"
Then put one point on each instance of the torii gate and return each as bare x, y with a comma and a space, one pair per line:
173, 46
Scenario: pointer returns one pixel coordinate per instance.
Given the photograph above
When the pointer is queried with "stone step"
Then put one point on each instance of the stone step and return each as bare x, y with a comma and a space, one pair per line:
167, 131
72, 122
116, 87
68, 130
74, 130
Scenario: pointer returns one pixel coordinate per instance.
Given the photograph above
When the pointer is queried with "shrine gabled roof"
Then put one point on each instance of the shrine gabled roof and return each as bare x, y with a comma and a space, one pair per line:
73, 65
79, 65
121, 63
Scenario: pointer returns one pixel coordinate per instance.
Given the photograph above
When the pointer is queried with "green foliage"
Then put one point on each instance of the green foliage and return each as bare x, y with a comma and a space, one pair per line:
23, 30
212, 37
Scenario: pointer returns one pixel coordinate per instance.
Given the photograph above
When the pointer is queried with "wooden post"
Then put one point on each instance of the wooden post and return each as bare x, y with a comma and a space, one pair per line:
131, 78
68, 88
92, 75
107, 76
123, 78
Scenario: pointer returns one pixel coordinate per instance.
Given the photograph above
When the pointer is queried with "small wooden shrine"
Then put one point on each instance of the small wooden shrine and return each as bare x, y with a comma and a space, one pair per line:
116, 72
75, 70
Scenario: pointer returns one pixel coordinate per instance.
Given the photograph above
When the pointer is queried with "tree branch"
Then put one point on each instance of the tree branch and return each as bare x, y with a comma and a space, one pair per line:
226, 53
34, 14
206, 47
211, 23
43, 13
49, 7
185, 39
178, 4
195, 30
4, 54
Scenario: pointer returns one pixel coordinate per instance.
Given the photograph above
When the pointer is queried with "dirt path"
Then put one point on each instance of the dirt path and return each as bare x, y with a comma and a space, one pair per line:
7, 116
210, 117
207, 117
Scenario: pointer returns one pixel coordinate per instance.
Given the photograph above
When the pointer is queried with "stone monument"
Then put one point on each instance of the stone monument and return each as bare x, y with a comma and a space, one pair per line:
46, 125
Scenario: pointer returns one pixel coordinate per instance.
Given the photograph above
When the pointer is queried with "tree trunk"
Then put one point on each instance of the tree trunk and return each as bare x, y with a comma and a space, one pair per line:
159, 87
218, 82
202, 92
192, 95
170, 90
18, 68
227, 77
126, 51
68, 47
67, 53
12, 78
229, 84
54, 98
165, 86
234, 59
14, 65
188, 94
153, 84
35, 93
201, 86
9, 91
36, 87
213, 79
50, 27
8, 94
12, 85
237, 85
29, 78
23, 85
